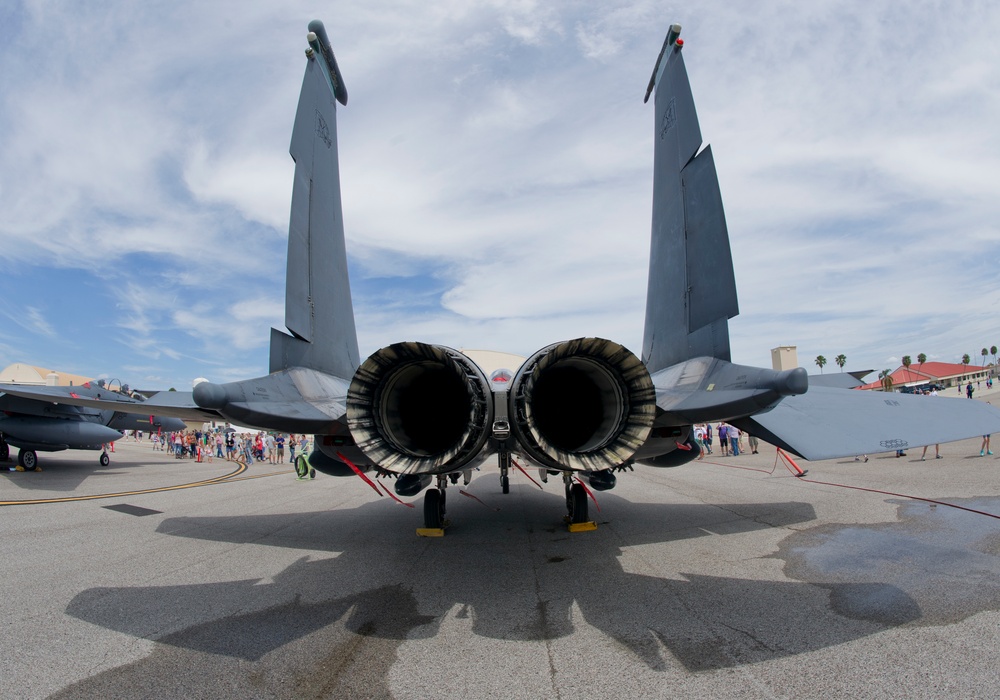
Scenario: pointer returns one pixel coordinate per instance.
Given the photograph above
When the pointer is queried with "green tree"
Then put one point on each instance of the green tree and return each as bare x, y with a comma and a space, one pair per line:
984, 353
907, 362
966, 359
921, 359
820, 361
993, 351
886, 377
841, 360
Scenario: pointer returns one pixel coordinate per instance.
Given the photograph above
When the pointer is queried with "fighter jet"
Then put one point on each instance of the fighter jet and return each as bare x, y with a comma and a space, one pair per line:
39, 419
584, 409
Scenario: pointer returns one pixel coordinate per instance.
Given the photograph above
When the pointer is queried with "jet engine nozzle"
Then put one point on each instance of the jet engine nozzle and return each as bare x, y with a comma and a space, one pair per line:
414, 408
586, 404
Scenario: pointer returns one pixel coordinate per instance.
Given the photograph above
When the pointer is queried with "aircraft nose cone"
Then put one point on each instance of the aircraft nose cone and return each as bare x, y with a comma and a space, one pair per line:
208, 395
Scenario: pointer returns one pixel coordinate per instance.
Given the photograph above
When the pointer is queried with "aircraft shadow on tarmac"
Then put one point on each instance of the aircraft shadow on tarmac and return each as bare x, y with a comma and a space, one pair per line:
516, 575
63, 476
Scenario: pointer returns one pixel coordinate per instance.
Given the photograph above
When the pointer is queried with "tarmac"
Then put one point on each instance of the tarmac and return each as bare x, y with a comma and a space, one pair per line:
724, 578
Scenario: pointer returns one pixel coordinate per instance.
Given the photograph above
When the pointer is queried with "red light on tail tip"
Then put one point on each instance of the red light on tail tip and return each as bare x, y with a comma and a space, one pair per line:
680, 42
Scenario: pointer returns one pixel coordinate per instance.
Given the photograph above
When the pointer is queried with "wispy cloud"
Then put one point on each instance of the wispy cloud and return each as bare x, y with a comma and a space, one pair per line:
496, 173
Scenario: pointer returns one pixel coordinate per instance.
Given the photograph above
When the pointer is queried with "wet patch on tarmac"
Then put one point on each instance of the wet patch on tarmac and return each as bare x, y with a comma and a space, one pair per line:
935, 565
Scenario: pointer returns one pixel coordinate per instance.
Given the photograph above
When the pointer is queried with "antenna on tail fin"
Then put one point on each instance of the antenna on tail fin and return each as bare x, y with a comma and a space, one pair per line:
318, 309
692, 288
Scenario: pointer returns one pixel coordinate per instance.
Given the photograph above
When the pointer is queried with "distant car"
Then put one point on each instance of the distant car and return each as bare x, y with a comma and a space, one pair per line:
921, 388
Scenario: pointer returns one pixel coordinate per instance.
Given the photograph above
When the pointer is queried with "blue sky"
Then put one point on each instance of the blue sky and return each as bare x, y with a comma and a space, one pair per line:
496, 162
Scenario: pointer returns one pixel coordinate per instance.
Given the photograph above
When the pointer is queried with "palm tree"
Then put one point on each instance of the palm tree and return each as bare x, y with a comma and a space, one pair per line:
983, 353
886, 377
921, 359
907, 362
820, 361
841, 360
966, 359
993, 351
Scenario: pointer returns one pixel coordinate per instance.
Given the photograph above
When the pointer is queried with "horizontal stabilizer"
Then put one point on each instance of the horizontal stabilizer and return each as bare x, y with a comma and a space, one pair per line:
839, 380
826, 423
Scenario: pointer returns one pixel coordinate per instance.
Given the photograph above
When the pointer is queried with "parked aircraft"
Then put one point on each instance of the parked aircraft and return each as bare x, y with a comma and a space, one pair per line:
49, 425
584, 408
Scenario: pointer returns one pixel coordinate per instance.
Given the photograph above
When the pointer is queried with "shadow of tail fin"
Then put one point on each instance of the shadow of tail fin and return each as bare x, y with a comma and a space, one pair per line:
319, 314
692, 289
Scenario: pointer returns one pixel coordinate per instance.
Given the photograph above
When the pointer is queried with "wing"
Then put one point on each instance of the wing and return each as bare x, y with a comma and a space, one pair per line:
826, 423
172, 404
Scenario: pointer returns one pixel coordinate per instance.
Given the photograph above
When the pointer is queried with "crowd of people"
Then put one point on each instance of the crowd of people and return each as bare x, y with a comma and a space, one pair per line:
226, 443
732, 440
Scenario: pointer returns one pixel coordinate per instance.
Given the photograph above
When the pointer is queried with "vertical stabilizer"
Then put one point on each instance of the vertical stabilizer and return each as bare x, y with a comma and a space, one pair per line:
692, 289
318, 309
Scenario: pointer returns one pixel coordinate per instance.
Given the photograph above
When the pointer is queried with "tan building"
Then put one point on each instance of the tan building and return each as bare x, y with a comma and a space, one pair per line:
784, 357
21, 373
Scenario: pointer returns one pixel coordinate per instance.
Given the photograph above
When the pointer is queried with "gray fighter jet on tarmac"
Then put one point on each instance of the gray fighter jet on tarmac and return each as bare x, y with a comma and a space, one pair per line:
584, 408
47, 423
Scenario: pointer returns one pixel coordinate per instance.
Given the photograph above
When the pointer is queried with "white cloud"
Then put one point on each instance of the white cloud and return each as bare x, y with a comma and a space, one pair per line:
499, 154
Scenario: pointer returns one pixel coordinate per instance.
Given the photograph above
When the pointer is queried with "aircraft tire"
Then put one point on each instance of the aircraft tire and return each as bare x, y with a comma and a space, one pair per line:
4, 451
27, 459
312, 473
433, 509
578, 504
505, 483
105, 460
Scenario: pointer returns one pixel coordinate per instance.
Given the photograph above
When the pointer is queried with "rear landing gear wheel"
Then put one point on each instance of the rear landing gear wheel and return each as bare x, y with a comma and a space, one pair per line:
434, 509
576, 502
105, 460
27, 459
505, 483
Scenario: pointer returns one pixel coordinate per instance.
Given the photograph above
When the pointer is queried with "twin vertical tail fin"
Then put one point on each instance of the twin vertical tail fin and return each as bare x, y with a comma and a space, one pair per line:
319, 314
692, 288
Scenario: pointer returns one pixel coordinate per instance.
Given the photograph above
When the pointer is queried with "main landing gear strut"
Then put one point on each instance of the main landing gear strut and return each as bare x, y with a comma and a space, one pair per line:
503, 461
577, 501
577, 505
